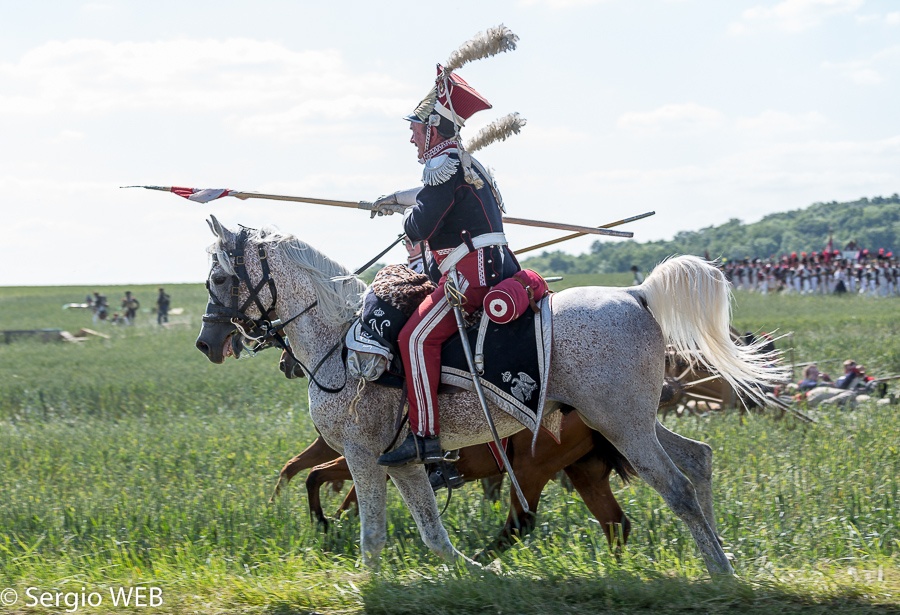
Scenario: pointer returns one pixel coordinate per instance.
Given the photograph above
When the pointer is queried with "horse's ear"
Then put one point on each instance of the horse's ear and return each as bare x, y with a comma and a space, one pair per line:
218, 230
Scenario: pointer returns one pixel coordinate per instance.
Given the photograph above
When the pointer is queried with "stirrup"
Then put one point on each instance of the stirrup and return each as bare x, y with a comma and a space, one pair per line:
444, 474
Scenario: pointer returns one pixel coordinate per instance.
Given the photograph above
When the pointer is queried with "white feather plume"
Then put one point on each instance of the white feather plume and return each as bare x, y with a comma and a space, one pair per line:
484, 44
498, 130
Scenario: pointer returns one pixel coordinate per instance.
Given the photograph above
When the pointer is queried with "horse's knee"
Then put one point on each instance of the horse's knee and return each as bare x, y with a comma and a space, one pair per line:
705, 454
682, 498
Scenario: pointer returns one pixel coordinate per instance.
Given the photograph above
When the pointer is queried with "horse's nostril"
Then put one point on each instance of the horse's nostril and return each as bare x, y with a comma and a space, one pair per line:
202, 347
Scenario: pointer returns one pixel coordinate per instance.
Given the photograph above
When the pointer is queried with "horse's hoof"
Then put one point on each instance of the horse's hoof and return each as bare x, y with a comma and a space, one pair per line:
495, 566
485, 556
323, 524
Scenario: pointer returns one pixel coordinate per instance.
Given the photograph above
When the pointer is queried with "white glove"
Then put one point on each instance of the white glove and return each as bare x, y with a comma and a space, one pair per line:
387, 206
396, 202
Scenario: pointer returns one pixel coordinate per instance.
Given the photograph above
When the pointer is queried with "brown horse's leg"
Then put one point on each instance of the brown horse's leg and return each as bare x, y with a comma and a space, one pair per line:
590, 475
534, 472
492, 486
349, 501
518, 522
321, 474
316, 453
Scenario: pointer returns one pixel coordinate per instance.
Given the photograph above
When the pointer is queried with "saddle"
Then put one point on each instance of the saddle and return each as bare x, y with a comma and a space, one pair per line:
512, 358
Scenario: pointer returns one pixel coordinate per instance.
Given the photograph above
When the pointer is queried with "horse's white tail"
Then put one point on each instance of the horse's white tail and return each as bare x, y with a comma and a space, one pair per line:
691, 301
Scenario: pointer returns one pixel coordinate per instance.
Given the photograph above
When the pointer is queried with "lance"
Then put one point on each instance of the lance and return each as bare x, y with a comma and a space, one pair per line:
538, 246
205, 195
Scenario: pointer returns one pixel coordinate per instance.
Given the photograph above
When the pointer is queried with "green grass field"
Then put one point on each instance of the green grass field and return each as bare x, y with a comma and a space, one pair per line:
133, 461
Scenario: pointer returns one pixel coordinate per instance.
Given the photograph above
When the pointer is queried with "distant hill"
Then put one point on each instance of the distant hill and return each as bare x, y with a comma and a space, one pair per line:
872, 223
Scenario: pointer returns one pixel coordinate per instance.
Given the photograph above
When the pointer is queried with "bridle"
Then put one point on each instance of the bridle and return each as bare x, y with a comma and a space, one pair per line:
262, 332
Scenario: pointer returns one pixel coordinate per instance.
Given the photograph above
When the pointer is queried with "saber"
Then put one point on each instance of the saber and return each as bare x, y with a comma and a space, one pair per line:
538, 246
205, 195
455, 298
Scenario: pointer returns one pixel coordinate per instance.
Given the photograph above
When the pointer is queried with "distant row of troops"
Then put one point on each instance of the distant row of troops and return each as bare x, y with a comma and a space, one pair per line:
879, 277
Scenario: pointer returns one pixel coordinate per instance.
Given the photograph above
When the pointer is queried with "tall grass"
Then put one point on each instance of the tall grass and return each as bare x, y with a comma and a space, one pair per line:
134, 460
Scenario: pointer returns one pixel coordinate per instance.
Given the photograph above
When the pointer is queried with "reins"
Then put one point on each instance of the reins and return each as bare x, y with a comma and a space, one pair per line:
264, 331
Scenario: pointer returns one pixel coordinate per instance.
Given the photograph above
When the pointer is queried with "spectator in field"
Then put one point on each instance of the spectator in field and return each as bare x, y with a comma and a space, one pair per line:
118, 319
812, 378
162, 307
638, 276
101, 307
130, 306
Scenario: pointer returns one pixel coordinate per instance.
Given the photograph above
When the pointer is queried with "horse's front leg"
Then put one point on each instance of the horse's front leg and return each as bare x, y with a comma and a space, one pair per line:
371, 491
412, 482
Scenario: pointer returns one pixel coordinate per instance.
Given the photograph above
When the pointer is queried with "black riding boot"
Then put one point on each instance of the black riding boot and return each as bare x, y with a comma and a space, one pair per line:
415, 449
445, 474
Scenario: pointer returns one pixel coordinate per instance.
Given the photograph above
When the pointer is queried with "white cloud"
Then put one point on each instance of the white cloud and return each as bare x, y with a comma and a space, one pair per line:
869, 71
549, 135
793, 15
94, 77
561, 4
892, 19
748, 183
774, 123
338, 115
676, 119
97, 7
68, 136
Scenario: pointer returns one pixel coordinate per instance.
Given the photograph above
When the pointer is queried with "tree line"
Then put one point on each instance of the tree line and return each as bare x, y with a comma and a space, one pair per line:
870, 223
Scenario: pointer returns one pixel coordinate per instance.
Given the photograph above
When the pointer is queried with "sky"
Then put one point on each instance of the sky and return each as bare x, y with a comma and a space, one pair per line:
699, 110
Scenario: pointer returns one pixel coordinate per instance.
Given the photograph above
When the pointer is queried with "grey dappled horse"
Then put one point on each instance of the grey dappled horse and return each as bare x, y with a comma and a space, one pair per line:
607, 362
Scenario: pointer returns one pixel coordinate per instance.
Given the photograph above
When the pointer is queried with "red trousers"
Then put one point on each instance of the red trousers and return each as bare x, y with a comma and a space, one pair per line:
420, 343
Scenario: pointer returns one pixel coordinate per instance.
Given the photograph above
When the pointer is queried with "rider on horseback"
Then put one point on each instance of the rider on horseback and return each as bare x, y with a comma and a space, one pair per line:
458, 212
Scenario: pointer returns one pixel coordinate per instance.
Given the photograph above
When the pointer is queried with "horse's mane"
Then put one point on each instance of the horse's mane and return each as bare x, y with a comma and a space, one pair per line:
338, 291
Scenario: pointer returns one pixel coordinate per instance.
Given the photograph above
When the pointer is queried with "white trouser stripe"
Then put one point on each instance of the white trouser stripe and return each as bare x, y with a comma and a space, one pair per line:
420, 374
427, 407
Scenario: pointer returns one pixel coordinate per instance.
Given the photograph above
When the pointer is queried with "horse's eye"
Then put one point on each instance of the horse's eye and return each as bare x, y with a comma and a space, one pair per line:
218, 280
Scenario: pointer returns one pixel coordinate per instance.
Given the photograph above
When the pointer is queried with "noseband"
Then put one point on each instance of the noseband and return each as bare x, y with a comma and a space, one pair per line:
262, 331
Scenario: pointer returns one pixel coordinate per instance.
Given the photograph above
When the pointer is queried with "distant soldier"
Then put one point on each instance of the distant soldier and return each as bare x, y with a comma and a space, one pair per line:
130, 305
162, 307
101, 307
638, 276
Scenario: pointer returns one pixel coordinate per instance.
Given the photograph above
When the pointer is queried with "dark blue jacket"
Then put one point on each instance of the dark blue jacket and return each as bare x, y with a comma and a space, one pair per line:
445, 211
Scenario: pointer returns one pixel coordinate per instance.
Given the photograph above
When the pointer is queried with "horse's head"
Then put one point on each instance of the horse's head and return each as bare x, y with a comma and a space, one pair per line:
244, 303
241, 295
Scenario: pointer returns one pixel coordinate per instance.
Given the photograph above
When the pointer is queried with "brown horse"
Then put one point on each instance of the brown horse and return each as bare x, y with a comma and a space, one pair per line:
586, 457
